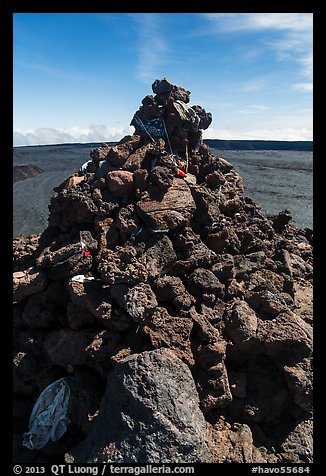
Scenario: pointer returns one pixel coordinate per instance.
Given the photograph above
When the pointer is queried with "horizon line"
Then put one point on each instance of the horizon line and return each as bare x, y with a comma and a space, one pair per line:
204, 140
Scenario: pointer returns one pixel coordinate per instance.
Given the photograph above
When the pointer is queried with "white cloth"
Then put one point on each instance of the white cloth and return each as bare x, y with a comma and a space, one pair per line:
84, 168
81, 278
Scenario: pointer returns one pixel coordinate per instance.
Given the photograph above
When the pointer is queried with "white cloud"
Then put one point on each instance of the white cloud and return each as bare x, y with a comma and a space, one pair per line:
49, 70
253, 85
295, 46
151, 46
304, 87
294, 42
93, 133
254, 108
259, 107
288, 134
307, 64
102, 133
261, 21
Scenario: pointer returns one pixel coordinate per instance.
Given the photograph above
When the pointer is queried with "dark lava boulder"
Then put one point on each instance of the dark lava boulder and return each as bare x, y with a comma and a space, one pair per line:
149, 413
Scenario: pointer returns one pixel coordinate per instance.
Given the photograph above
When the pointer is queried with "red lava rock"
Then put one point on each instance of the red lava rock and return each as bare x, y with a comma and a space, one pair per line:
192, 253
160, 256
161, 86
171, 289
122, 265
30, 365
203, 280
147, 390
204, 151
266, 395
40, 313
281, 220
287, 328
298, 379
103, 345
240, 321
118, 155
224, 268
24, 248
71, 208
267, 303
164, 330
127, 220
206, 211
138, 301
66, 347
211, 375
173, 211
133, 141
76, 264
233, 444
47, 308
97, 300
140, 181
100, 153
106, 232
72, 181
120, 182
28, 282
162, 177
139, 159
238, 384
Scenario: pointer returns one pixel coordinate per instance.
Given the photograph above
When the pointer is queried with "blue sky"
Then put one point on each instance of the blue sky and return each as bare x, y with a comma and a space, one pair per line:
80, 77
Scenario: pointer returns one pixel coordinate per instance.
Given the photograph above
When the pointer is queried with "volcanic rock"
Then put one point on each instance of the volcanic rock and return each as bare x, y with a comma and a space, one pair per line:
162, 86
171, 212
233, 444
240, 321
138, 301
25, 283
164, 330
120, 182
25, 171
149, 413
181, 315
72, 181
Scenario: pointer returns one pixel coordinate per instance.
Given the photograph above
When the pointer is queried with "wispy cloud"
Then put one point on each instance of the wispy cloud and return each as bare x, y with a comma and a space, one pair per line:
304, 87
261, 21
151, 45
254, 109
294, 33
307, 63
295, 47
253, 85
51, 71
93, 133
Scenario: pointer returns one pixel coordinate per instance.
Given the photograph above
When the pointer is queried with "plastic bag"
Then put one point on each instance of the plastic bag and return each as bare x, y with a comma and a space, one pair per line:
49, 419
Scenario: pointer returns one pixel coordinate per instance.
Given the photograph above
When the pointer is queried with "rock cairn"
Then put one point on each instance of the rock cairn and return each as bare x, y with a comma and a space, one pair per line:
179, 312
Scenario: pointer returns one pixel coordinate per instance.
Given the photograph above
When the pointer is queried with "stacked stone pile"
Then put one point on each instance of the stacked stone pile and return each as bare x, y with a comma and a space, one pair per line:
169, 300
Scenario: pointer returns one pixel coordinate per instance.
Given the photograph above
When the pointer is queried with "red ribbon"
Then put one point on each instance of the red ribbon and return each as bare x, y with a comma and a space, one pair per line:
181, 173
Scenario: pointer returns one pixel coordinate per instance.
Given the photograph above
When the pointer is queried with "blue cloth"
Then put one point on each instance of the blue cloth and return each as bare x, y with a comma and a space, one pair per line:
154, 127
49, 418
